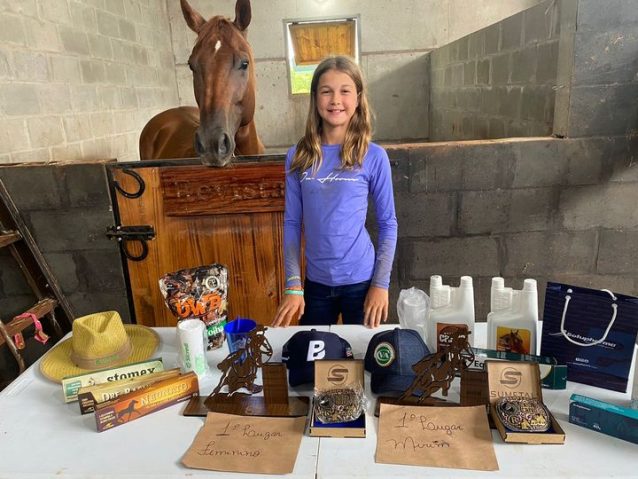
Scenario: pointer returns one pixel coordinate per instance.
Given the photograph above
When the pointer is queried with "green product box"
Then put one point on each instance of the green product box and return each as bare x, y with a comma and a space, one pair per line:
604, 417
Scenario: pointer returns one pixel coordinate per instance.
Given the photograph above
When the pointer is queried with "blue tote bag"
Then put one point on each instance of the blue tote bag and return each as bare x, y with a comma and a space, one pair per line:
592, 331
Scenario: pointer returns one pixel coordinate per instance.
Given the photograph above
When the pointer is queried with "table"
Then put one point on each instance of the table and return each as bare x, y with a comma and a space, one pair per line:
41, 436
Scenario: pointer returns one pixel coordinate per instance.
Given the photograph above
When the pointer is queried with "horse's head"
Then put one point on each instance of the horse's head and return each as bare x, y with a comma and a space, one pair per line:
223, 80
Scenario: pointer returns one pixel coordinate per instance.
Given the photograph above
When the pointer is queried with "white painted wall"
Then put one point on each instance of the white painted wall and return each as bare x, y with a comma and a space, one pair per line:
80, 78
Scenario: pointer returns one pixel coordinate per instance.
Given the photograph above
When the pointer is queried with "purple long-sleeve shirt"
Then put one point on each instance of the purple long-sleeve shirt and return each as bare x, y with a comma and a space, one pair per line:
332, 206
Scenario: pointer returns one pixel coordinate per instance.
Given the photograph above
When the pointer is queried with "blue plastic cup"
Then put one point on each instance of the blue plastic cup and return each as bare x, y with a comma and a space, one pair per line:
237, 331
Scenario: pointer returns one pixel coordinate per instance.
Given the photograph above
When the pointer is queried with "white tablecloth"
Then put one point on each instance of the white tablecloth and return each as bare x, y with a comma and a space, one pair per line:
42, 437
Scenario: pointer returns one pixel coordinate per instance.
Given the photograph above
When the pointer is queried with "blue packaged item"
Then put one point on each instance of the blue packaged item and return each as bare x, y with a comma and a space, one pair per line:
604, 417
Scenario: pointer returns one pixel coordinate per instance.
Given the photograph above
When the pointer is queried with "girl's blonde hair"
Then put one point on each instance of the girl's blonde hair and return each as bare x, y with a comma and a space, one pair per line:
358, 134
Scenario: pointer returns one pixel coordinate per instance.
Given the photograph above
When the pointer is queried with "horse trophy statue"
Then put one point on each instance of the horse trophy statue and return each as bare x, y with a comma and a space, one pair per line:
239, 368
224, 85
237, 393
437, 371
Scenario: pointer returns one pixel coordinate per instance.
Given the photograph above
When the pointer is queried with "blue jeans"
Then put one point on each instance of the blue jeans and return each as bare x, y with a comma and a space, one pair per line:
324, 303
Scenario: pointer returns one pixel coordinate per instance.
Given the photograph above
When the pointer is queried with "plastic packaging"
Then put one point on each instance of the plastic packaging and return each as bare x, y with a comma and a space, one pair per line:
200, 293
513, 320
449, 306
412, 308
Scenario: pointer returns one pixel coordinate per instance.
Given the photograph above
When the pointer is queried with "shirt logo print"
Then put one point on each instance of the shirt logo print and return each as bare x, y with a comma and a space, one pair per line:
332, 176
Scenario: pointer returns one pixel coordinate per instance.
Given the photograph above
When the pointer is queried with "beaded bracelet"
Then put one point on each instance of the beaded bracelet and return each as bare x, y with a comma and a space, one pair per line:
298, 292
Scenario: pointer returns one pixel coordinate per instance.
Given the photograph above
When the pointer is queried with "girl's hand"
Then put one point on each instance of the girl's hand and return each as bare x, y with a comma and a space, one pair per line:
291, 307
375, 307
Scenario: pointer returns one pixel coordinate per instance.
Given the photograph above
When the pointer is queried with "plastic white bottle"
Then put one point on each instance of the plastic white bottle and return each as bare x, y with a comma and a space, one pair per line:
449, 306
513, 320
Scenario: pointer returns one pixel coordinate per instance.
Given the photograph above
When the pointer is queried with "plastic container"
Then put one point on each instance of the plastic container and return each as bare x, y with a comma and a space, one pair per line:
449, 306
412, 308
513, 320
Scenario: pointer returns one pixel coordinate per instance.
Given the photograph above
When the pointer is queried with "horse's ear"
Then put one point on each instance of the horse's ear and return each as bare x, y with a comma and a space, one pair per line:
193, 19
243, 14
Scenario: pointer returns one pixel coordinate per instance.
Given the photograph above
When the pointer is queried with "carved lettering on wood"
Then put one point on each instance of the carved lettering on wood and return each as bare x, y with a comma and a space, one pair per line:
242, 188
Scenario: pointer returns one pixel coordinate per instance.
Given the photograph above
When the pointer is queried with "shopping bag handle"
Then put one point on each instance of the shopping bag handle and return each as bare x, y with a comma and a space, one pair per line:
614, 306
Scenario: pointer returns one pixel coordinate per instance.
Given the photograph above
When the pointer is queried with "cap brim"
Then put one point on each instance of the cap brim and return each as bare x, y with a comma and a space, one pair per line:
385, 383
56, 363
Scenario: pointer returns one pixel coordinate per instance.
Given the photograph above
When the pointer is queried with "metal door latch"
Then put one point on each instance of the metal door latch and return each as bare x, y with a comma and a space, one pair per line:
125, 234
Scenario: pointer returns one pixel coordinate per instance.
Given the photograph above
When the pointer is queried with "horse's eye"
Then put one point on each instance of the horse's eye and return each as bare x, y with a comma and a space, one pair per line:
243, 65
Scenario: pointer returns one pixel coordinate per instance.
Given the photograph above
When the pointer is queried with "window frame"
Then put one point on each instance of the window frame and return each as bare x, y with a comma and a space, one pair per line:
290, 58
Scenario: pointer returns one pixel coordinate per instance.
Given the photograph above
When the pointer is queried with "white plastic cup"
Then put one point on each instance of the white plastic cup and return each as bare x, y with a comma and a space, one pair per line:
191, 345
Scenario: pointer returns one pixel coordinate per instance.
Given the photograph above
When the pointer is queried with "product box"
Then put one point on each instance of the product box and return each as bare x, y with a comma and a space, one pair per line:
72, 384
553, 375
90, 396
519, 380
610, 419
139, 403
338, 374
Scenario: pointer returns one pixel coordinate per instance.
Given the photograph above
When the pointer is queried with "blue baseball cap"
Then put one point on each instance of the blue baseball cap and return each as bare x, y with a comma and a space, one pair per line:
390, 357
305, 347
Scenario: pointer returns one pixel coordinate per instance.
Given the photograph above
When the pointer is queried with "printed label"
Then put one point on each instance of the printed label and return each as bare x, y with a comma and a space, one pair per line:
513, 340
443, 338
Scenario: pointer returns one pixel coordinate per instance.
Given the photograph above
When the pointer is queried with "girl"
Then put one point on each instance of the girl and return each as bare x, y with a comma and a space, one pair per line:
329, 175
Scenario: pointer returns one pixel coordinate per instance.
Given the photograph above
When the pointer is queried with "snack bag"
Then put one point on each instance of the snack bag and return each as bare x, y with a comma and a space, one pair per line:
200, 293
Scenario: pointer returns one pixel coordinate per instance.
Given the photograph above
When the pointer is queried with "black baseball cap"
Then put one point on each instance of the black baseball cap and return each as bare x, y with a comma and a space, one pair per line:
304, 347
390, 357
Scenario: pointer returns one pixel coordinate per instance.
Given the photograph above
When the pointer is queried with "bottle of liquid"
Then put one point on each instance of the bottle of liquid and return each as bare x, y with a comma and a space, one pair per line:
513, 319
449, 306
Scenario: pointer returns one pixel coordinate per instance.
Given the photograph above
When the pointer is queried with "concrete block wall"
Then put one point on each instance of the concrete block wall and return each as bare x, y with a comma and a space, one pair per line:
550, 209
499, 81
600, 71
80, 78
67, 208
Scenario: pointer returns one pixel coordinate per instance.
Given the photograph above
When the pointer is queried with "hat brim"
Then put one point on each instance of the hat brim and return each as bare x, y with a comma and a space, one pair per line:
56, 364
387, 382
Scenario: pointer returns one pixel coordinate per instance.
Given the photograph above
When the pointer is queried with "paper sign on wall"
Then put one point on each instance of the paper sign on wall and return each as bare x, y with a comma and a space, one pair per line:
263, 445
451, 437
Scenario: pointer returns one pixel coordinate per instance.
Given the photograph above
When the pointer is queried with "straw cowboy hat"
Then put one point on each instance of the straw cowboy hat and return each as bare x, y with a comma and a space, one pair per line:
99, 341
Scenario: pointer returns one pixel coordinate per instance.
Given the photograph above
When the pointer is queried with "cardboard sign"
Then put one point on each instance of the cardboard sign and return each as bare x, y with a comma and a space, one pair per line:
262, 445
451, 437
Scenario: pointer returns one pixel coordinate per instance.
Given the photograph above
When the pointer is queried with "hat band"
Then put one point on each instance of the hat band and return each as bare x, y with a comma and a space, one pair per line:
103, 361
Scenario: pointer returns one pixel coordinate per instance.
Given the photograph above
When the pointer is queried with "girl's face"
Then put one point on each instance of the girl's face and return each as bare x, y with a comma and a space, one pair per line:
336, 99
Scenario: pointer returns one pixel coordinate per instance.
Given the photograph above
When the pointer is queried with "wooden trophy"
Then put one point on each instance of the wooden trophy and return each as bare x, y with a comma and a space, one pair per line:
436, 372
235, 391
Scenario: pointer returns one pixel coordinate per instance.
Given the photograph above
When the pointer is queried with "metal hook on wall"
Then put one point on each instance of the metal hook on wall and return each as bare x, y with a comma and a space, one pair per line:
138, 179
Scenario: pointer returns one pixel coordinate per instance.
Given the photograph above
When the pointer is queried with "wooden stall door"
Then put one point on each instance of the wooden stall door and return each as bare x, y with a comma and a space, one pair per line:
202, 215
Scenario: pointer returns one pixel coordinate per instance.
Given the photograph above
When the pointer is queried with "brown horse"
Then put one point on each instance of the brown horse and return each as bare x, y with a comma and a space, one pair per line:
224, 84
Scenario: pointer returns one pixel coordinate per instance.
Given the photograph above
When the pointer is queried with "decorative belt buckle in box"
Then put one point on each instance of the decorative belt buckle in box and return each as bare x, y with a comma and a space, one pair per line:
523, 415
339, 405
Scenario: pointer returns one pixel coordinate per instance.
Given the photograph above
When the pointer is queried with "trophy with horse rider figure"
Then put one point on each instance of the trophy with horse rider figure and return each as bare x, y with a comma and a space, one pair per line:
239, 368
436, 371
237, 393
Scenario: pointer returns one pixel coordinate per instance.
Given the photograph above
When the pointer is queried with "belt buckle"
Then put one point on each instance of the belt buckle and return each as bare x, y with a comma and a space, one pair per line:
339, 405
523, 414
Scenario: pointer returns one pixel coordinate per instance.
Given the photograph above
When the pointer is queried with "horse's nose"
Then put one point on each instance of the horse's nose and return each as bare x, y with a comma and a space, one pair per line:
223, 145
